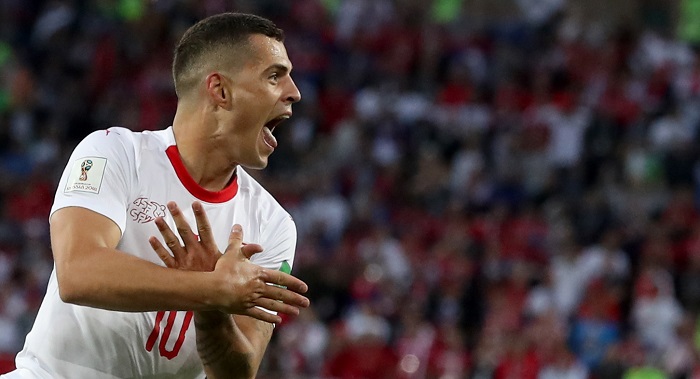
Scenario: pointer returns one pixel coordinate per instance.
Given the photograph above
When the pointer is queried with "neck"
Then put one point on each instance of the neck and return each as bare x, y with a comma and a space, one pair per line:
198, 150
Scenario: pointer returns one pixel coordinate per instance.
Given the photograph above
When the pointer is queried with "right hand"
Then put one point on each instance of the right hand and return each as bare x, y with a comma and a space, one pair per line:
248, 286
245, 286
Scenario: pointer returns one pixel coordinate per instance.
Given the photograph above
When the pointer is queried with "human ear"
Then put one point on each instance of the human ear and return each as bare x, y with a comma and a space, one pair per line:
217, 89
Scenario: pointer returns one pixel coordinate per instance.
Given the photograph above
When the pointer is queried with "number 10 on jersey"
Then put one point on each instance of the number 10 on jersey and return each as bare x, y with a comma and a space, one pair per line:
163, 337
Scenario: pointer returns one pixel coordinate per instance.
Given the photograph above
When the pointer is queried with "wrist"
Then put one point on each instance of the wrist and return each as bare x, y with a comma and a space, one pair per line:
213, 292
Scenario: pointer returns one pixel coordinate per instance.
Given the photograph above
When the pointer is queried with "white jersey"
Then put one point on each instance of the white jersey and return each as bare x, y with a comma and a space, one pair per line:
129, 177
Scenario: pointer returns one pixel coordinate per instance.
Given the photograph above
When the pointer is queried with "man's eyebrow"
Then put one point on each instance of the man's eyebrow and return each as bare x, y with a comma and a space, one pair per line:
279, 67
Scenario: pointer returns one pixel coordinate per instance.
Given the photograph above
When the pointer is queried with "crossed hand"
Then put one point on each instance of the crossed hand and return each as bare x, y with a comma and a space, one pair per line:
244, 286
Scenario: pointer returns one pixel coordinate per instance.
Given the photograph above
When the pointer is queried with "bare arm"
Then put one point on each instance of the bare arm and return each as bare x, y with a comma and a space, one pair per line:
230, 346
92, 272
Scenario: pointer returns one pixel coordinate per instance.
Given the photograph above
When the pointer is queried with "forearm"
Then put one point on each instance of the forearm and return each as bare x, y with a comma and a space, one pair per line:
110, 279
224, 348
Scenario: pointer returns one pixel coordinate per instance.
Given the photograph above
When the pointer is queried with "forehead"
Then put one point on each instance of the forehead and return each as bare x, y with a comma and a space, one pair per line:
269, 51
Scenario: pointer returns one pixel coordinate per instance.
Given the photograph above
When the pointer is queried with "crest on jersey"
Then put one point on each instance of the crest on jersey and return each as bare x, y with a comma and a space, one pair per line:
143, 210
86, 175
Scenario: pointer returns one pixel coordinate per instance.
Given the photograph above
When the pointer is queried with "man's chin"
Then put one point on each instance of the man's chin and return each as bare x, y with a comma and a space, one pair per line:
259, 165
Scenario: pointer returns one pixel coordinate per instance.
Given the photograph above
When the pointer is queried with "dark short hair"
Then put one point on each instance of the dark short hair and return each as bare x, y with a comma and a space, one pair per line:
215, 37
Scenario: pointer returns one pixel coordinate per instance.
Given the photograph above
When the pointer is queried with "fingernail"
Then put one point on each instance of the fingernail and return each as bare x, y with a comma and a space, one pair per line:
237, 228
171, 206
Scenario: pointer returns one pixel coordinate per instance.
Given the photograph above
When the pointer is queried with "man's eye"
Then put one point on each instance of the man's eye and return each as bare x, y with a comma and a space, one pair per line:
274, 77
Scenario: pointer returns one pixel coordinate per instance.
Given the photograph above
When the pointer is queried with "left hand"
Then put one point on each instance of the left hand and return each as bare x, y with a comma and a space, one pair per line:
197, 254
248, 287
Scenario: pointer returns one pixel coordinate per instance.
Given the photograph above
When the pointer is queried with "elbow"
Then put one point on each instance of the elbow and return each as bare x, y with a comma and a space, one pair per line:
68, 287
68, 295
67, 291
242, 370
239, 368
250, 373
245, 373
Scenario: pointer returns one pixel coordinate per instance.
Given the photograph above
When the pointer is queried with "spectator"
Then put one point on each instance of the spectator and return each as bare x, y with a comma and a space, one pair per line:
439, 151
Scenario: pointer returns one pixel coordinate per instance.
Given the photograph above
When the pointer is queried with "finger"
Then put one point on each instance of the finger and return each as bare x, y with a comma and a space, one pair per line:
183, 228
260, 314
162, 253
206, 236
251, 248
170, 239
285, 296
235, 241
281, 279
277, 306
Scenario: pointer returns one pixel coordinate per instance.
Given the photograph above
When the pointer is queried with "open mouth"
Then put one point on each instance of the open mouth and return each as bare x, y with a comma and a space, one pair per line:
269, 127
272, 124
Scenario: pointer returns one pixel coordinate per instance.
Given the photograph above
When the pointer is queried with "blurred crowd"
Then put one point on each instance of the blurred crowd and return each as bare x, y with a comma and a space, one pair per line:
508, 198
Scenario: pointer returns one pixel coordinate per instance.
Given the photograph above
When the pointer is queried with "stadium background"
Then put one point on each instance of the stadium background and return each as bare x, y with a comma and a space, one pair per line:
483, 188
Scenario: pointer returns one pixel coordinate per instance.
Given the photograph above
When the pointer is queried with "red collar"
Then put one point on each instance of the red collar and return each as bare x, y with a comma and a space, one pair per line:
193, 187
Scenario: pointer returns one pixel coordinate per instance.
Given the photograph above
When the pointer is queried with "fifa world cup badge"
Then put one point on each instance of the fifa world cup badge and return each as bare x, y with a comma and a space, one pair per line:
86, 175
84, 168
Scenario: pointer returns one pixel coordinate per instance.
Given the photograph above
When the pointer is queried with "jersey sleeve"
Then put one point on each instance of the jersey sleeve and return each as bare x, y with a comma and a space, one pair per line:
278, 239
99, 175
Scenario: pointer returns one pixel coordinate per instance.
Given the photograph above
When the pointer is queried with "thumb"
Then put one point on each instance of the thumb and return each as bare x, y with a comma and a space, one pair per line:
249, 249
235, 240
238, 247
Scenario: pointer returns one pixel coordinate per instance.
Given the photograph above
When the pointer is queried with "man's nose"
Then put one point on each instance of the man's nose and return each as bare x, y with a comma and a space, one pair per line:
294, 95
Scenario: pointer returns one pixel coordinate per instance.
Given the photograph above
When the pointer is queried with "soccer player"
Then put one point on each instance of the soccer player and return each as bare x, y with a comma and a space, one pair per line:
112, 310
